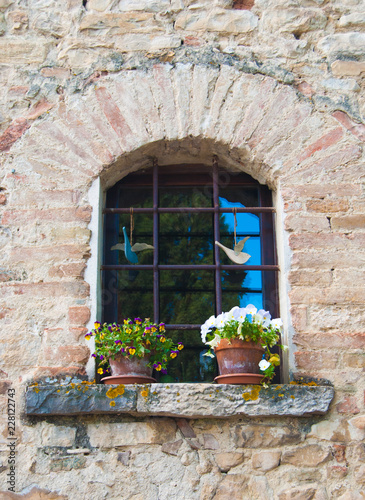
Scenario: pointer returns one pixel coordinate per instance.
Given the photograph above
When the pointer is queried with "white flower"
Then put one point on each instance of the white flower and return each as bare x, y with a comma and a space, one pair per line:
232, 314
240, 314
214, 342
251, 309
221, 320
210, 323
276, 323
263, 365
266, 317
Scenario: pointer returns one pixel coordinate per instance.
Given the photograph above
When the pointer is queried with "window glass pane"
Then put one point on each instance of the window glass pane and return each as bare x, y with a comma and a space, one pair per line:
142, 233
238, 196
186, 297
190, 365
131, 196
135, 294
179, 196
241, 288
251, 247
186, 239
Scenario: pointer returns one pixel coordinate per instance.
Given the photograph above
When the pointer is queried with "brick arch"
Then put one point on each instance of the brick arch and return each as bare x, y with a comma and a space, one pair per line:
255, 123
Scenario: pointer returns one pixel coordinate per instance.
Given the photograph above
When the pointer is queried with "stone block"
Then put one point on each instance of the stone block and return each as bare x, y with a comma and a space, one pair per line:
67, 464
131, 433
35, 493
246, 436
119, 24
348, 222
348, 85
172, 448
292, 20
191, 401
146, 42
353, 20
13, 132
228, 460
348, 68
14, 51
78, 315
144, 5
348, 405
217, 20
327, 205
301, 493
306, 456
99, 5
346, 44
56, 435
266, 460
231, 487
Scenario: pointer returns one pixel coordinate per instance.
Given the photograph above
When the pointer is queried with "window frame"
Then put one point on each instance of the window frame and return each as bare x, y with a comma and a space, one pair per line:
165, 176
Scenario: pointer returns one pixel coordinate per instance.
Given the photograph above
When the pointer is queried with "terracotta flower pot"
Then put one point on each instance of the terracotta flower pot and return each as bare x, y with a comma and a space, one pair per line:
129, 371
238, 362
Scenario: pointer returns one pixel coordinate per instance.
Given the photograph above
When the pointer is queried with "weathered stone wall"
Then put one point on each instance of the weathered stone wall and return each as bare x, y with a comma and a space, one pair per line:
92, 89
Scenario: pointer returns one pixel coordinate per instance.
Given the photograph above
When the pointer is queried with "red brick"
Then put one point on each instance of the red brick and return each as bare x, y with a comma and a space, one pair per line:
333, 340
47, 197
320, 191
323, 172
323, 143
193, 41
339, 452
338, 295
15, 130
348, 222
66, 355
303, 223
78, 333
306, 89
51, 215
327, 260
2, 198
325, 242
243, 4
310, 278
113, 114
348, 405
75, 270
78, 289
76, 147
39, 108
51, 371
327, 205
18, 90
357, 129
56, 72
57, 252
78, 315
315, 361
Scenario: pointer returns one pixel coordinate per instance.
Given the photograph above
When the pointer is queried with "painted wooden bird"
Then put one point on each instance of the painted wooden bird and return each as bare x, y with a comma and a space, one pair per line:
130, 251
236, 255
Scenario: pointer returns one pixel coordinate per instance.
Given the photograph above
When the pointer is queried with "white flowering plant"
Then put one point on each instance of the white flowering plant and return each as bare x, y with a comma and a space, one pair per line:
246, 323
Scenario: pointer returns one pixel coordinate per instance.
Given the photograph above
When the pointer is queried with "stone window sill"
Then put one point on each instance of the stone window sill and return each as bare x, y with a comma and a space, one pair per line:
179, 400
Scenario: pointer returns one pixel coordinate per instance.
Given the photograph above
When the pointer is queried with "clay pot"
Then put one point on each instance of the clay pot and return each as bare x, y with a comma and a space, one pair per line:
129, 371
238, 362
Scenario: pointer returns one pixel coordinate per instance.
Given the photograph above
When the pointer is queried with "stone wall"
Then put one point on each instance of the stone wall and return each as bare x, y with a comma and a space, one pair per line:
92, 91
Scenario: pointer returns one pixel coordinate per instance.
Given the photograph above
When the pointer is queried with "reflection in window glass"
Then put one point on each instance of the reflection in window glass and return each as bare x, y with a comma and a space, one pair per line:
186, 239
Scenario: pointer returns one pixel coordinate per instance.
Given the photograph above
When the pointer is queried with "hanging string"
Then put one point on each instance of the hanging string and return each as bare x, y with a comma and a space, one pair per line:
131, 227
235, 225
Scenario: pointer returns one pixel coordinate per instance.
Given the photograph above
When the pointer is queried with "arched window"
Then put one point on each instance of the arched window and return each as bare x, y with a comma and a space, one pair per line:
181, 211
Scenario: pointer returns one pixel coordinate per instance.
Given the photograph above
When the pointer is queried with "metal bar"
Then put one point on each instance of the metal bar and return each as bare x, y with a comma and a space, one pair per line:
218, 284
183, 327
156, 297
220, 210
188, 267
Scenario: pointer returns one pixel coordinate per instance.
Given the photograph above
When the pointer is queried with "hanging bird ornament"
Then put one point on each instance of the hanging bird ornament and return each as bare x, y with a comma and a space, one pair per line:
236, 255
129, 249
